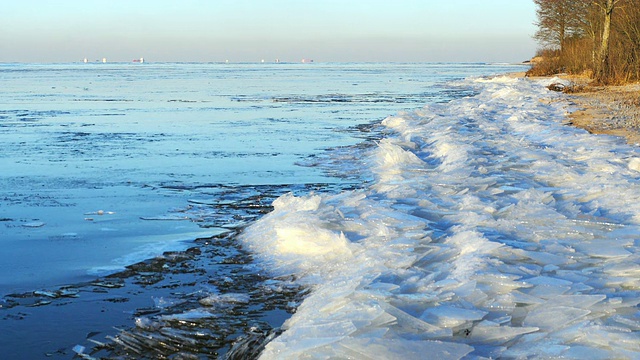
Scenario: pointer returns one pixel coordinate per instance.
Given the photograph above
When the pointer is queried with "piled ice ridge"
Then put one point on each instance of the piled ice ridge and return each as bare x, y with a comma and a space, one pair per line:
491, 231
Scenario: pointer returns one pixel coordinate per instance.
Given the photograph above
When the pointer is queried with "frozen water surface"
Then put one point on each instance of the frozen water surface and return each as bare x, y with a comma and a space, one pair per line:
488, 230
104, 165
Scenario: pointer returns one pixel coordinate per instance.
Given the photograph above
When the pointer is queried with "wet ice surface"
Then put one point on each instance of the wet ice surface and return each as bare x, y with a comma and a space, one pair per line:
490, 230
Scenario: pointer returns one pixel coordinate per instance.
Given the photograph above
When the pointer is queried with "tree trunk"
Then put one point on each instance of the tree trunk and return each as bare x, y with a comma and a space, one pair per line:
563, 36
603, 53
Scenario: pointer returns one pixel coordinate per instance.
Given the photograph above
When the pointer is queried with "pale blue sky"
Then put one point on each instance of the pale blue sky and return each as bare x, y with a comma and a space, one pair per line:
251, 30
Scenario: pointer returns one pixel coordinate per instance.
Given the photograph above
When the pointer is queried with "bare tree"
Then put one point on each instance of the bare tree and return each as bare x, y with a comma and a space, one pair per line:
558, 20
597, 37
627, 25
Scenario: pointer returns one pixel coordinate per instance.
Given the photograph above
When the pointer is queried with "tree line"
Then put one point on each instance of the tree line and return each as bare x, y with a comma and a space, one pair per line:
598, 38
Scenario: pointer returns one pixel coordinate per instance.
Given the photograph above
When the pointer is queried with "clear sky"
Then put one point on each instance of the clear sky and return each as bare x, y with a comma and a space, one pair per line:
252, 30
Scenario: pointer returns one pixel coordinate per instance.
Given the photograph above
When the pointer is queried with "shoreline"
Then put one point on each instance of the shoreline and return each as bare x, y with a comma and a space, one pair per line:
603, 110
611, 110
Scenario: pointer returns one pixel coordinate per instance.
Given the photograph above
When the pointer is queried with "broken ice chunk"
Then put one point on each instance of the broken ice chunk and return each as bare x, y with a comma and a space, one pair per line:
163, 303
49, 294
415, 326
546, 291
577, 301
500, 284
554, 317
584, 352
488, 331
300, 340
603, 249
33, 224
334, 328
523, 298
629, 323
449, 316
164, 218
78, 349
535, 350
147, 323
634, 164
391, 348
623, 269
191, 315
100, 212
542, 257
224, 298
547, 280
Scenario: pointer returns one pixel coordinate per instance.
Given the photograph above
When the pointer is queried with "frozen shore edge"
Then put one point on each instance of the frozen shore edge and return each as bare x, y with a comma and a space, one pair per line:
604, 110
298, 339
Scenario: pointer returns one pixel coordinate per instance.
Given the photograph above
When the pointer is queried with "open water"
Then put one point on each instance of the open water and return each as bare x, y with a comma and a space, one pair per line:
470, 223
106, 164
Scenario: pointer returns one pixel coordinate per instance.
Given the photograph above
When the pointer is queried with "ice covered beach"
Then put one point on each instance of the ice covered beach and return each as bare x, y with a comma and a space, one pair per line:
489, 229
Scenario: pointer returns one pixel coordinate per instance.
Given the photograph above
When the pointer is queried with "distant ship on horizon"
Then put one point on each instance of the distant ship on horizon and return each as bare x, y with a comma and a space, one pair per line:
104, 60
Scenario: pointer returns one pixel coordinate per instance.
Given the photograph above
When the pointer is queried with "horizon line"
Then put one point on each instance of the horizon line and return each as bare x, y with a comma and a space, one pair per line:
273, 62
